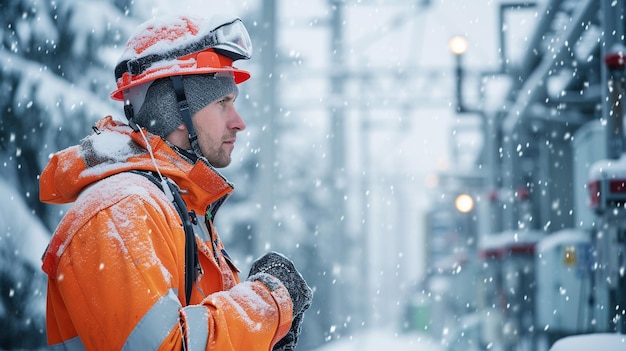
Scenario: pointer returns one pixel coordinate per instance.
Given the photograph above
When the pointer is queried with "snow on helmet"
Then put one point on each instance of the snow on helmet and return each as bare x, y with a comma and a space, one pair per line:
177, 46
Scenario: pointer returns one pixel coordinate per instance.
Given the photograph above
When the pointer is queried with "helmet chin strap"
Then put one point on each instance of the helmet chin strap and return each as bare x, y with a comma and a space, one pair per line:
130, 114
183, 107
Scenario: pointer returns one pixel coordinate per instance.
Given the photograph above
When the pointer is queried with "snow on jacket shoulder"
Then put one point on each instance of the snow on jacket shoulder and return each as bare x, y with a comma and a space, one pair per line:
115, 264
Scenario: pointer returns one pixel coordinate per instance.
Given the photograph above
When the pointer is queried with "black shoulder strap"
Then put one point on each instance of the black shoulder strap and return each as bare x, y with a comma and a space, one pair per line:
191, 251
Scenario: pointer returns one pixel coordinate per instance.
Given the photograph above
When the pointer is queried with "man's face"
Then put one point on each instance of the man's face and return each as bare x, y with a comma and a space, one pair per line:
217, 125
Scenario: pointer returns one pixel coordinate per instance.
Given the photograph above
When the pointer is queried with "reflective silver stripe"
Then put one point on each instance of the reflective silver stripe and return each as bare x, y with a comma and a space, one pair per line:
155, 325
197, 326
74, 344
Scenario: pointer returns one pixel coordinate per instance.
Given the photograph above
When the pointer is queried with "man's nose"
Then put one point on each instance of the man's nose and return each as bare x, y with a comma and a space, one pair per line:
236, 121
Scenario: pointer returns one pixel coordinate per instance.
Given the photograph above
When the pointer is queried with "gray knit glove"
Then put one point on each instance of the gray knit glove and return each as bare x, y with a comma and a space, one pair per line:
289, 341
301, 294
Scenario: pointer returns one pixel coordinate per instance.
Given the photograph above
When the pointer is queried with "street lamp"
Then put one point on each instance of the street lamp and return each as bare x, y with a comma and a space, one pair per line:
464, 203
458, 46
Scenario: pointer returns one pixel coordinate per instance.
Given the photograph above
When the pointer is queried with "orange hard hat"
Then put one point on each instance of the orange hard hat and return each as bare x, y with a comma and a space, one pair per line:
180, 46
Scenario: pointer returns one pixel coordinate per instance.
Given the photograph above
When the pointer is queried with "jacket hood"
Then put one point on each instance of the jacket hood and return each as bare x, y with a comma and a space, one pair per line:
115, 148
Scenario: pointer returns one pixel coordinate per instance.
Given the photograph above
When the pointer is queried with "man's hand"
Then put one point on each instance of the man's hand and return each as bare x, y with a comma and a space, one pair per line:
301, 294
283, 269
289, 341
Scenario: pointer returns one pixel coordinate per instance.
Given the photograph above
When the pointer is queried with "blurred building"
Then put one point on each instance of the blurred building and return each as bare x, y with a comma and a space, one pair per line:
548, 244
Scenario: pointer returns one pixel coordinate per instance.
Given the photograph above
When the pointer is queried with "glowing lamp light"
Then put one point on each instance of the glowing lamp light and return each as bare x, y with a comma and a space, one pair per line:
464, 203
458, 45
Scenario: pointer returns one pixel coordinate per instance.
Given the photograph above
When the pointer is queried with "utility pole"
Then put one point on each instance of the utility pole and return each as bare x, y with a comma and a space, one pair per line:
268, 153
338, 172
337, 109
612, 110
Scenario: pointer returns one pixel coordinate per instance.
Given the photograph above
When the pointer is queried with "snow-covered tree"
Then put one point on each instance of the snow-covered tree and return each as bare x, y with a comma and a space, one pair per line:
22, 304
56, 62
56, 74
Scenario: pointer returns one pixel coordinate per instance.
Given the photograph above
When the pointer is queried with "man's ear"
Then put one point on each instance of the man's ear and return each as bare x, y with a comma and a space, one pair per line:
179, 137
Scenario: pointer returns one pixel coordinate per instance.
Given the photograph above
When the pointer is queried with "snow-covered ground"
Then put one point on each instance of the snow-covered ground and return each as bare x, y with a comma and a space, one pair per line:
602, 341
384, 340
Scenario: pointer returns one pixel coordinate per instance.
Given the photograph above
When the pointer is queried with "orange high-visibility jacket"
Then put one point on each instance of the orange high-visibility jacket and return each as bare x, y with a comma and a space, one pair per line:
116, 262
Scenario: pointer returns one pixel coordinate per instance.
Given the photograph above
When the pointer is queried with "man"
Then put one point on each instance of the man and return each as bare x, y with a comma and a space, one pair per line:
136, 263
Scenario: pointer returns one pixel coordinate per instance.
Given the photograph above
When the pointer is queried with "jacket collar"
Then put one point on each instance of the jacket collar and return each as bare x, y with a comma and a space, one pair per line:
115, 148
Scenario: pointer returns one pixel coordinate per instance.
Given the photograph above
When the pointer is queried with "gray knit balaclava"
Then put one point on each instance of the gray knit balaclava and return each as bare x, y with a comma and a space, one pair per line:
160, 114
